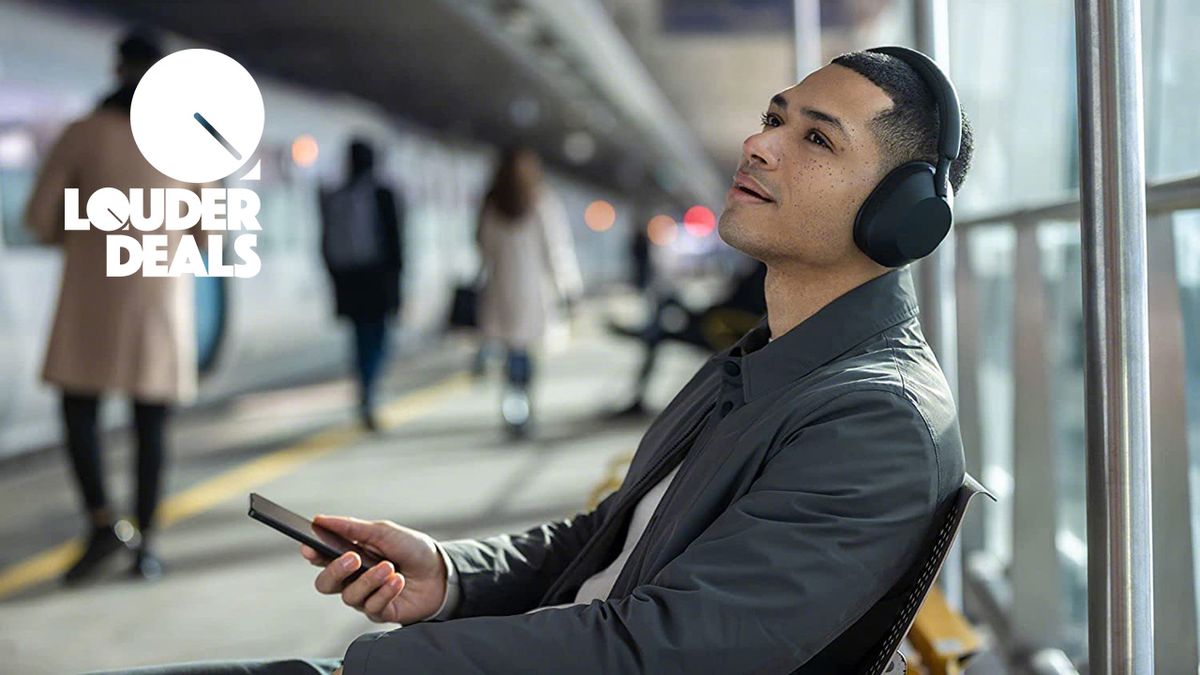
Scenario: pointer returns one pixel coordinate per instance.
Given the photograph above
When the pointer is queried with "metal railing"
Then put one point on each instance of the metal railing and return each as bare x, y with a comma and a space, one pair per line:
1022, 600
1167, 196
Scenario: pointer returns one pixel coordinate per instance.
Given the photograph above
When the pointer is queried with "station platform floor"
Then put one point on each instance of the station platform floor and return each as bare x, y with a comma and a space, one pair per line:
236, 589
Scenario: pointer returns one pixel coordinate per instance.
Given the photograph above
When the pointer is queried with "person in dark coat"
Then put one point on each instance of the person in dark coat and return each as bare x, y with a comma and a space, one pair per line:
362, 245
712, 328
641, 266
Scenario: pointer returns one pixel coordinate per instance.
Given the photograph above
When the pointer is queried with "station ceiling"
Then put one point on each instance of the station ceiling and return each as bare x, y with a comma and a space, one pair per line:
429, 62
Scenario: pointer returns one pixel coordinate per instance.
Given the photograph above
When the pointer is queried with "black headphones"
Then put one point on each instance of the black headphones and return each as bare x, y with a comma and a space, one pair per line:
908, 214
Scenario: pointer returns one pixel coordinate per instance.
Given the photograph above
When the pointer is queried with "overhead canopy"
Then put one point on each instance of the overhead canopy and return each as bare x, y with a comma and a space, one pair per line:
497, 71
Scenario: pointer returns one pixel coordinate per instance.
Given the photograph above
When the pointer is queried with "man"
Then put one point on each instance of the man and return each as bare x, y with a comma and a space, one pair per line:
362, 244
774, 508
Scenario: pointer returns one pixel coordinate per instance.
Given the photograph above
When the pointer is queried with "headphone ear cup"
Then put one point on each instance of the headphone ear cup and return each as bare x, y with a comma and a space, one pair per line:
903, 219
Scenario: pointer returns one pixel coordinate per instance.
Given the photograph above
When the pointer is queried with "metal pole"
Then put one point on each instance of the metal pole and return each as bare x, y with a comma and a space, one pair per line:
936, 272
931, 30
931, 35
807, 32
1113, 236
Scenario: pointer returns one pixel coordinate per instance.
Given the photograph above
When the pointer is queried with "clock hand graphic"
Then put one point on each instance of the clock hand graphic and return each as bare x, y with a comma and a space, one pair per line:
196, 89
217, 135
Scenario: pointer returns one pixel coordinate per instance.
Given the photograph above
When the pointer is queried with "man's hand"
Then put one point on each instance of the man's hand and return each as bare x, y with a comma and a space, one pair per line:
407, 587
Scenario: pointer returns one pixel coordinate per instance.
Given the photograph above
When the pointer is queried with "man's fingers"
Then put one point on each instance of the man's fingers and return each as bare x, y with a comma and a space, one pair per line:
310, 554
381, 598
353, 529
329, 581
356, 593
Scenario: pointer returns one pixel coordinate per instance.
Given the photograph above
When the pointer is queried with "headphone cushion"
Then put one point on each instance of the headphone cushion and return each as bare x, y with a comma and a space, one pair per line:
903, 219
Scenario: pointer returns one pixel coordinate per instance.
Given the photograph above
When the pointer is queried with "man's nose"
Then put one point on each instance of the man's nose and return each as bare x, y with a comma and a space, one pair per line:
759, 150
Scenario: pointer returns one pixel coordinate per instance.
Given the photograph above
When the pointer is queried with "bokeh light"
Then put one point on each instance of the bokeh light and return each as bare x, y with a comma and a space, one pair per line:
17, 149
579, 147
599, 215
524, 112
305, 151
699, 221
662, 230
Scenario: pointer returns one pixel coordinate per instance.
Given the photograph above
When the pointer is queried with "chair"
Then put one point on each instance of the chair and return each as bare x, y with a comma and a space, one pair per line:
884, 659
942, 636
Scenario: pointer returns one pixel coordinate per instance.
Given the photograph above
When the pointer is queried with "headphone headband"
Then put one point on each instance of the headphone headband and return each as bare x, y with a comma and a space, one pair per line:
949, 116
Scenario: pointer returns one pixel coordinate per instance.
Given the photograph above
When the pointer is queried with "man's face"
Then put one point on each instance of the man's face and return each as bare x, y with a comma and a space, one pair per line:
813, 164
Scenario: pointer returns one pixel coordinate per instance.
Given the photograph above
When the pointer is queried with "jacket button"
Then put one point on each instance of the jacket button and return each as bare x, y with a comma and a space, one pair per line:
732, 368
726, 407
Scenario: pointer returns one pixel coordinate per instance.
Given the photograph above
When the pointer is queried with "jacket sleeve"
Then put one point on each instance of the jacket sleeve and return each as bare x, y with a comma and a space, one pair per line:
832, 522
509, 574
44, 211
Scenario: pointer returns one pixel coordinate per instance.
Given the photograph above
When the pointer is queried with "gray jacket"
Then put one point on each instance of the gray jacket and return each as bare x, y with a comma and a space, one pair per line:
813, 469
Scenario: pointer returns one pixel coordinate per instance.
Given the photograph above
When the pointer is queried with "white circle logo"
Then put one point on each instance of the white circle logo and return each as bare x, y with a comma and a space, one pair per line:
197, 115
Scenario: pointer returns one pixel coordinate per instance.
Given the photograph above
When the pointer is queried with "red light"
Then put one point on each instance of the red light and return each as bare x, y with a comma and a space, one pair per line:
699, 221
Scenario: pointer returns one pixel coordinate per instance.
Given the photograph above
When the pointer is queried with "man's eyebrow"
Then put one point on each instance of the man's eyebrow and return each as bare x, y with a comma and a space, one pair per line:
826, 117
813, 113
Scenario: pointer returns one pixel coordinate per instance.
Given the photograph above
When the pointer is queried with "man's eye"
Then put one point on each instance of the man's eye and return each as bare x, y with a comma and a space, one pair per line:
771, 120
817, 138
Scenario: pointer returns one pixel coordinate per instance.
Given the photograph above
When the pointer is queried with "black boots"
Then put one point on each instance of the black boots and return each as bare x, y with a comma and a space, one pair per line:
102, 544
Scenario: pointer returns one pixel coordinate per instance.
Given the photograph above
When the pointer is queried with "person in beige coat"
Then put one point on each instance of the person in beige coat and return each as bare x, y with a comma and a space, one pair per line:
130, 335
529, 264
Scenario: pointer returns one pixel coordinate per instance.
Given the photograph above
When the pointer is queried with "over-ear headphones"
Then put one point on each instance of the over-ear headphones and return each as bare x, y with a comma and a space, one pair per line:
908, 214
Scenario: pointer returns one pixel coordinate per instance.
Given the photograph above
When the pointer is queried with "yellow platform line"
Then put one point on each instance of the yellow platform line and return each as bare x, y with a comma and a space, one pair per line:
238, 481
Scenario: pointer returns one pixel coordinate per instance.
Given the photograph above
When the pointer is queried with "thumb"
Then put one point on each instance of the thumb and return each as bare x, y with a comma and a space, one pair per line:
354, 529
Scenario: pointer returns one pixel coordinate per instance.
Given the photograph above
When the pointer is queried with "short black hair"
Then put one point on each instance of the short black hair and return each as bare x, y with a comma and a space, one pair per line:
139, 48
908, 130
361, 156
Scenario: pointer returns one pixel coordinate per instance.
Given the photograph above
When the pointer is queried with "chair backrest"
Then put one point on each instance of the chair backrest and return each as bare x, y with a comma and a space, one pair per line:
934, 554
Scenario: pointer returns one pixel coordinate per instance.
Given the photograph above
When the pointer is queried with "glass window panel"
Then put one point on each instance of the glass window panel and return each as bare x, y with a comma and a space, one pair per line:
991, 256
1187, 261
1024, 143
1170, 63
15, 187
1062, 267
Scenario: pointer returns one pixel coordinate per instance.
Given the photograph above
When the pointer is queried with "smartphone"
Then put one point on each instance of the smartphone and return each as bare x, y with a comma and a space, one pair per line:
303, 530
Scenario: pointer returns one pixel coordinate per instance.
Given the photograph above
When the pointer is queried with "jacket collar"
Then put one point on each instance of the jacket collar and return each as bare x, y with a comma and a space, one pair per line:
852, 318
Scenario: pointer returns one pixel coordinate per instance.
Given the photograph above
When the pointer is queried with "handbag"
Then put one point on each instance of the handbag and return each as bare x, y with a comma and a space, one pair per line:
464, 308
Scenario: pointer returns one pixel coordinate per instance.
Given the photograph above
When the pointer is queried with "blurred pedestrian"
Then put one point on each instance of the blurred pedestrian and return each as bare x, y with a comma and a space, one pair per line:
711, 328
641, 264
362, 242
132, 335
529, 263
